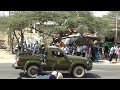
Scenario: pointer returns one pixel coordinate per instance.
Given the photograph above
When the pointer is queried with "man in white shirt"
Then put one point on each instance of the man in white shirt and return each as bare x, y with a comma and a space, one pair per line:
25, 46
79, 50
65, 49
112, 53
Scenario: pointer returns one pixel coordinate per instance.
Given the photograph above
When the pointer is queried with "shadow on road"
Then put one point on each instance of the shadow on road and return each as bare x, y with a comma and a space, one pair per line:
66, 75
21, 74
87, 75
91, 75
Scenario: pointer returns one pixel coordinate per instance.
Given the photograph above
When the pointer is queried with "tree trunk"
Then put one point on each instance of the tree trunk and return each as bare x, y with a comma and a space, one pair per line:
22, 41
9, 39
14, 33
12, 45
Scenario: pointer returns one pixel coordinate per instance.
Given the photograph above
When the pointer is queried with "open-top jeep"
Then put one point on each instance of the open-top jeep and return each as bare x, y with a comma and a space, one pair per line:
55, 59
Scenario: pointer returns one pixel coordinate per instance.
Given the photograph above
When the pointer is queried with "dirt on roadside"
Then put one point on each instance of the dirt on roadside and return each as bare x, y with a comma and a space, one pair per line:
6, 57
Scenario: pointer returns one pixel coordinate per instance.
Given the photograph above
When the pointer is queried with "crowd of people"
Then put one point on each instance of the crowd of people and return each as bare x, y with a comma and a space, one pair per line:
79, 50
96, 51
74, 49
115, 53
106, 52
30, 48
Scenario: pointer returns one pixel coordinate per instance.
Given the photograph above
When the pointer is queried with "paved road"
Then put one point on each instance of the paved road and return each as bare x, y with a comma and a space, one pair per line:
99, 71
107, 71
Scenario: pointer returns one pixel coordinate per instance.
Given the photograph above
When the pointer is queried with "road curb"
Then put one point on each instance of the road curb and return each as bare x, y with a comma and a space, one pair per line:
106, 64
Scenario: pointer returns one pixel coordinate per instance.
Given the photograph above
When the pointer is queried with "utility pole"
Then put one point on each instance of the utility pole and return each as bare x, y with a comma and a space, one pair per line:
9, 36
116, 33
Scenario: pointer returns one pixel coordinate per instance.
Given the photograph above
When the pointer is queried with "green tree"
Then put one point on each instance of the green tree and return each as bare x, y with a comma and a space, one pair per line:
81, 21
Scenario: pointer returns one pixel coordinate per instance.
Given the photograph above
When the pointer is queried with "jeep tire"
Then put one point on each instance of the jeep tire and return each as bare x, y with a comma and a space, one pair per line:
32, 71
78, 71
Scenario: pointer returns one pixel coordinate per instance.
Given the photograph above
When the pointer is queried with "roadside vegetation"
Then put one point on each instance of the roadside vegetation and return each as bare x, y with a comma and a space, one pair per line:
82, 21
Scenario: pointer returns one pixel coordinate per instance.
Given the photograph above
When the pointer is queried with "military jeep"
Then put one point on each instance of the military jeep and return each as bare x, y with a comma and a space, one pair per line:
55, 59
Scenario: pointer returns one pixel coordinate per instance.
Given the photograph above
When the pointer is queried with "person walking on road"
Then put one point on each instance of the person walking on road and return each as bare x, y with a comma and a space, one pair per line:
100, 51
118, 54
96, 54
93, 53
96, 51
112, 53
106, 52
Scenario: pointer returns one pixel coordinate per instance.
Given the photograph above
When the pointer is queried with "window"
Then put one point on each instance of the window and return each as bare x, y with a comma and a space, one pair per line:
57, 54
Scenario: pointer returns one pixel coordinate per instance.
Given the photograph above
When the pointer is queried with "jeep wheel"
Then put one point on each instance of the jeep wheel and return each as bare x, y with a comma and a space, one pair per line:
78, 71
32, 71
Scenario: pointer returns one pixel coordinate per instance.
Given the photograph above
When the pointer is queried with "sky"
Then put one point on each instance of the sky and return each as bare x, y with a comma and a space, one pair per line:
96, 13
100, 13
4, 13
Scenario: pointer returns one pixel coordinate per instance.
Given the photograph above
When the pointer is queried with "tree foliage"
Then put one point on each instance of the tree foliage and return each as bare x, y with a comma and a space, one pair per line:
82, 21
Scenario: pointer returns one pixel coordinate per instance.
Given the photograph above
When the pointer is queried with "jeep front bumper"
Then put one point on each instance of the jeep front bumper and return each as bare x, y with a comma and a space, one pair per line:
16, 66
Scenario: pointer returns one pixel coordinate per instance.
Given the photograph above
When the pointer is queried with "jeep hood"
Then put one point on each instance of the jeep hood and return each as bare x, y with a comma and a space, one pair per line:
70, 57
